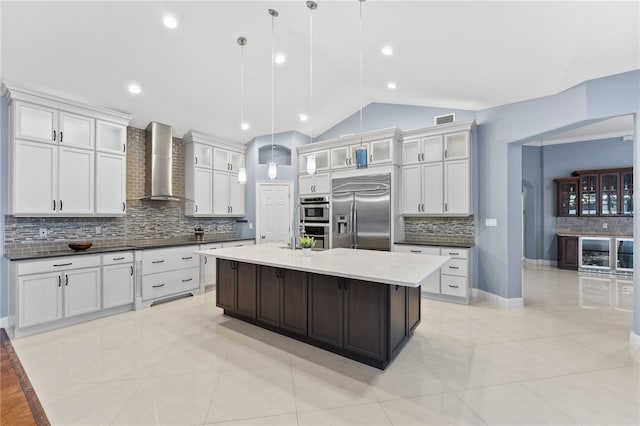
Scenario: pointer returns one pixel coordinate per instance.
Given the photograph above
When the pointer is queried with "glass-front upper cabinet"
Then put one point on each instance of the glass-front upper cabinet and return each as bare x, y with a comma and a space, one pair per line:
589, 195
567, 190
609, 193
626, 192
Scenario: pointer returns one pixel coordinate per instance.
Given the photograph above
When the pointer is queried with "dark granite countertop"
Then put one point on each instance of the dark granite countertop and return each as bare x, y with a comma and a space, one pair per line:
437, 244
583, 234
128, 245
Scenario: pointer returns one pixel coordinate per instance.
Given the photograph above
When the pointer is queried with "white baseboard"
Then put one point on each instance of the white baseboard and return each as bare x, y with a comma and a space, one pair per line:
503, 302
539, 262
4, 322
634, 345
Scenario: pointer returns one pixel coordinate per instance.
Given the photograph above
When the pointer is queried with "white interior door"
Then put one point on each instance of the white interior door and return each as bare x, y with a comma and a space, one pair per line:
274, 213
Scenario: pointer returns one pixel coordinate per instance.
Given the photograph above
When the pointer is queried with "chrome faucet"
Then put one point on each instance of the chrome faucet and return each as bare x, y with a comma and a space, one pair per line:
297, 226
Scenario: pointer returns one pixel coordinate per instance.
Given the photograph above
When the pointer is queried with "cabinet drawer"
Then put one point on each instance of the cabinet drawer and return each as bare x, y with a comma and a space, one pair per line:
238, 243
455, 267
117, 257
453, 285
455, 252
167, 283
417, 249
162, 260
58, 264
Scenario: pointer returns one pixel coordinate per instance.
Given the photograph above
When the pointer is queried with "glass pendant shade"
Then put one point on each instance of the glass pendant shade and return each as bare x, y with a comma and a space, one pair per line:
273, 170
361, 157
311, 165
242, 175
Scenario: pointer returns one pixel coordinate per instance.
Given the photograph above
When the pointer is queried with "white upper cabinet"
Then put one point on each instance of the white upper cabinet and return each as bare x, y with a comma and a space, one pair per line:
314, 184
111, 184
202, 155
381, 151
322, 161
35, 123
211, 177
436, 165
53, 151
76, 130
456, 145
341, 157
111, 137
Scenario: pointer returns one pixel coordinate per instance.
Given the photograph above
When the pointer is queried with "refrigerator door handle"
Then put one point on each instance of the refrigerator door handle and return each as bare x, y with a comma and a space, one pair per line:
351, 231
355, 224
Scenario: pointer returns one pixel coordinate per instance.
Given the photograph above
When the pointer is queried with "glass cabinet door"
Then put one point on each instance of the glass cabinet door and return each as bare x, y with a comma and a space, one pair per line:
626, 193
567, 197
609, 194
589, 195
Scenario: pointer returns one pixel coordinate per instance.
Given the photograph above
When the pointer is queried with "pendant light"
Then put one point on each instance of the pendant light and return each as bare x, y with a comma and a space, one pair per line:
361, 151
273, 167
242, 41
311, 159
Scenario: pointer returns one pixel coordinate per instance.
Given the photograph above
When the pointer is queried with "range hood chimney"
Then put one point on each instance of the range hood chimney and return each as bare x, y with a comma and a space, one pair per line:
159, 162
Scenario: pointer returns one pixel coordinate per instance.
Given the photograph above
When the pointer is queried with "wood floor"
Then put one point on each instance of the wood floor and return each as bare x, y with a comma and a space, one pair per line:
19, 404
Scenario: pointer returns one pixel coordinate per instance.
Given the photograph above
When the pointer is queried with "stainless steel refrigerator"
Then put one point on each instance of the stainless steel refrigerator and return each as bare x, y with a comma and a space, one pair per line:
361, 210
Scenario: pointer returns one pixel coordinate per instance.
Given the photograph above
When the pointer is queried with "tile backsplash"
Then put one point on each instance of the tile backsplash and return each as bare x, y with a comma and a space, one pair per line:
440, 229
143, 220
616, 226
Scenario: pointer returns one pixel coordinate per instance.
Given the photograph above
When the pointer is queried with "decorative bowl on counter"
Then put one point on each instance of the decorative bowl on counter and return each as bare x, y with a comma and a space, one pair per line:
80, 245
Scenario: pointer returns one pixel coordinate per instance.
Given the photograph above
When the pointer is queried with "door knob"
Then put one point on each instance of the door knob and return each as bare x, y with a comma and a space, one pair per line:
262, 236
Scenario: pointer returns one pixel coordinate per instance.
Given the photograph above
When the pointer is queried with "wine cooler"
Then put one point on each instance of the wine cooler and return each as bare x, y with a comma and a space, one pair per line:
595, 253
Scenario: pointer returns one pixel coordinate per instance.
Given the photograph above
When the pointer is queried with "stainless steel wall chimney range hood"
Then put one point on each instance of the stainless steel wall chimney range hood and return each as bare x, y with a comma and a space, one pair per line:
159, 163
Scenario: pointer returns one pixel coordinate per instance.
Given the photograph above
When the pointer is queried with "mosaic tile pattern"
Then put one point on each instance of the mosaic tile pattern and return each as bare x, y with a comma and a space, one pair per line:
440, 229
145, 220
616, 226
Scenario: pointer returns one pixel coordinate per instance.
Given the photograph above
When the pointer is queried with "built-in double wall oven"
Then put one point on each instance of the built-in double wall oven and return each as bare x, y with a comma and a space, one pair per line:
315, 219
606, 254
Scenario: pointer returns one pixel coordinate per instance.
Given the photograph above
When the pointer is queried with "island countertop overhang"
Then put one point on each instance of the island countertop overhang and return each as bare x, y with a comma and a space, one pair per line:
404, 269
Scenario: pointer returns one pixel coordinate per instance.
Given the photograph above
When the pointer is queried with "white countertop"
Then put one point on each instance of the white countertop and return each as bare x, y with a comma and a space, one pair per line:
405, 269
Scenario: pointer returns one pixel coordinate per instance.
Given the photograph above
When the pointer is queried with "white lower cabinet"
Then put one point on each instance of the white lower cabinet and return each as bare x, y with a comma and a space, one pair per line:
117, 280
170, 272
208, 265
82, 291
39, 299
454, 276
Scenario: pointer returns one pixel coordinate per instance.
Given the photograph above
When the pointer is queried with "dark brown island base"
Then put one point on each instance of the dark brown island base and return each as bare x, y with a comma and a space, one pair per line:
365, 321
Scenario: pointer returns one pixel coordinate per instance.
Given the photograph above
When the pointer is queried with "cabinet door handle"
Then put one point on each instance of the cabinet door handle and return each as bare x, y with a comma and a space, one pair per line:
187, 280
54, 135
196, 160
205, 260
60, 205
157, 261
422, 206
454, 267
454, 286
397, 287
446, 154
446, 207
453, 253
131, 271
422, 156
187, 258
158, 285
118, 258
124, 206
124, 147
418, 156
230, 209
415, 251
262, 237
196, 208
59, 281
63, 264
61, 136
371, 158
54, 205
66, 280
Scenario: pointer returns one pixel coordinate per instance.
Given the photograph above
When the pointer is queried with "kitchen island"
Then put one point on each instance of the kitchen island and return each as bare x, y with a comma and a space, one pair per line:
361, 304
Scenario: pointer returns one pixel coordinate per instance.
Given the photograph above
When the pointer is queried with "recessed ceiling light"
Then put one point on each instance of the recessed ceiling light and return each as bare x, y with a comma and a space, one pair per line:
170, 22
135, 89
303, 117
244, 126
391, 85
387, 51
280, 59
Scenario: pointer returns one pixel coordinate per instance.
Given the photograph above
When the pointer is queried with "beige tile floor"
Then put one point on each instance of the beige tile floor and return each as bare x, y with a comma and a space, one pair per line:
563, 359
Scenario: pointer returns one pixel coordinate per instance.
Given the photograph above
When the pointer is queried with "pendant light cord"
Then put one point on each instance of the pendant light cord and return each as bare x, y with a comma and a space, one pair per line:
273, 20
311, 74
361, 1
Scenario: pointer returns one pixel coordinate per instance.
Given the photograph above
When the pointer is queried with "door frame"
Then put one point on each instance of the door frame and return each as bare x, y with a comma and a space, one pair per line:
292, 202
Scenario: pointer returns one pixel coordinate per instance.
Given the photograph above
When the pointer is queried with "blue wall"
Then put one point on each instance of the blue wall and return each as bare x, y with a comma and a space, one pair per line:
256, 171
532, 188
380, 116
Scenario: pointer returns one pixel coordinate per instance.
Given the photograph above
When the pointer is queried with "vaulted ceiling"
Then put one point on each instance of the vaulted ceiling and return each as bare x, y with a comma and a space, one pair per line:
467, 55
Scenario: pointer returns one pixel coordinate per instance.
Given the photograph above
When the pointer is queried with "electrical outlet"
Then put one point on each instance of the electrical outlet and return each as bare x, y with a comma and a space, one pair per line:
604, 225
43, 232
98, 230
250, 225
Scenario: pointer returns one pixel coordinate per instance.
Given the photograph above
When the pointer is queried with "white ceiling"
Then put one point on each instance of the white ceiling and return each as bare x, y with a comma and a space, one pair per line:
468, 55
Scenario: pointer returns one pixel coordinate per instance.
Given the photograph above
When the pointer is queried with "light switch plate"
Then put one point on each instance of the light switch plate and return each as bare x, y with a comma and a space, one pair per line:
98, 230
604, 225
43, 232
491, 222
